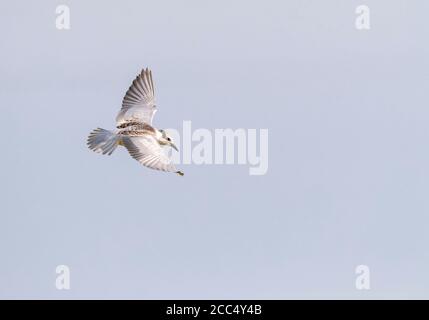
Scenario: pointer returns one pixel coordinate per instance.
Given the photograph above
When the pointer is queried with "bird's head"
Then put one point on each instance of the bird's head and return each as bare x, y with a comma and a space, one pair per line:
166, 140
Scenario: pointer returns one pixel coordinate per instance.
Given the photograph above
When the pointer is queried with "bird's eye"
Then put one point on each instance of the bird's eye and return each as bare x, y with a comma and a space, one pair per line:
168, 139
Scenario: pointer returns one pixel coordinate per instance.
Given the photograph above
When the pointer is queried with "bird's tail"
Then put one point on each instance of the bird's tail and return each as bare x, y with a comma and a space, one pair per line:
103, 141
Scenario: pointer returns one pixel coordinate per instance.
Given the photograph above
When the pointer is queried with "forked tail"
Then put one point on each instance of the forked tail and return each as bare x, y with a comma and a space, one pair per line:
103, 141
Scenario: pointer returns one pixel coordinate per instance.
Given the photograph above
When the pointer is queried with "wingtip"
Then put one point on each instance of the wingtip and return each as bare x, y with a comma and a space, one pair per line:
180, 173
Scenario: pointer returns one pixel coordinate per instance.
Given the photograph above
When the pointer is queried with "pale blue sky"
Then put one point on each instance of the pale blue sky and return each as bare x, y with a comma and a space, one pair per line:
347, 184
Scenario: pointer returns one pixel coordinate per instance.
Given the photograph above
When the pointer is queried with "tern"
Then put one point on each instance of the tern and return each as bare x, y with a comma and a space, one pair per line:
134, 129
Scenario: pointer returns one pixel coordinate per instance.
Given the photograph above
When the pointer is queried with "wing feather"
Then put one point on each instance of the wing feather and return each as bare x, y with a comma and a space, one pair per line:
146, 150
139, 101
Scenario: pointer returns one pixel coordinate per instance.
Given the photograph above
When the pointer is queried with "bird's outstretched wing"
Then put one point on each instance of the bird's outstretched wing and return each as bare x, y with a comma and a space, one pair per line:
146, 150
139, 101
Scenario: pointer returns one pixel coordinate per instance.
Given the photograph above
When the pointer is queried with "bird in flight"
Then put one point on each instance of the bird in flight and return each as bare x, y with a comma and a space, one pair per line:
134, 129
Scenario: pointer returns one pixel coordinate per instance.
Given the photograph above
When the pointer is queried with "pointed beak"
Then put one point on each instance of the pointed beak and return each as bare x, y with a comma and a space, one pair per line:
174, 146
